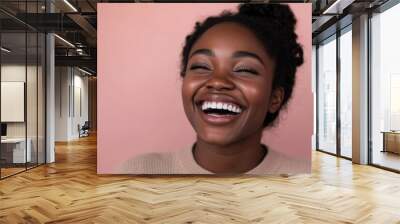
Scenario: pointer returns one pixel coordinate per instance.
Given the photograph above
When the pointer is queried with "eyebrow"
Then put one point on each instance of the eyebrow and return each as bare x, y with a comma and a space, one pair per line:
241, 54
237, 54
204, 51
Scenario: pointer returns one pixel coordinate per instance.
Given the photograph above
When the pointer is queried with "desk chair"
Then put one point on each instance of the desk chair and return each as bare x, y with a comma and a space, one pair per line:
84, 130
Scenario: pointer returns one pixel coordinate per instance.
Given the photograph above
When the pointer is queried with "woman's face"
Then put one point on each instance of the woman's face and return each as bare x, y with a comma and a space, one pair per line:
227, 89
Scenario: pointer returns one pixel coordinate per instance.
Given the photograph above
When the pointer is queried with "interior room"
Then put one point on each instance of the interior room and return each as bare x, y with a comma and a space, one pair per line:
49, 125
22, 101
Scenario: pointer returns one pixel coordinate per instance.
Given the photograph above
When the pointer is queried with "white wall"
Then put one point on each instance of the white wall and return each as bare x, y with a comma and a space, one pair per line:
14, 73
17, 73
62, 81
71, 93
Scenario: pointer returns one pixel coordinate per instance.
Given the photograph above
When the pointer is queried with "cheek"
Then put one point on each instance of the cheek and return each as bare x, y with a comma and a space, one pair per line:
258, 97
257, 93
189, 88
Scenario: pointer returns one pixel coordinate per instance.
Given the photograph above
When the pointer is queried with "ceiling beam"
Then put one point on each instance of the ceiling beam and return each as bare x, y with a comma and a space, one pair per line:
85, 61
86, 26
337, 6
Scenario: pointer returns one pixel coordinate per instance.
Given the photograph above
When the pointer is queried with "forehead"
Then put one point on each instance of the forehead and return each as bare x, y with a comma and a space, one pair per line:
230, 36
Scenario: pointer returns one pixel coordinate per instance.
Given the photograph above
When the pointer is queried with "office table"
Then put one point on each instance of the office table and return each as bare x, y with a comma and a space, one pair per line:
391, 141
15, 148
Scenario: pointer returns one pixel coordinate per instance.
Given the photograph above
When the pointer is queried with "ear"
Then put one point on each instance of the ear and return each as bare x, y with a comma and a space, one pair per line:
276, 99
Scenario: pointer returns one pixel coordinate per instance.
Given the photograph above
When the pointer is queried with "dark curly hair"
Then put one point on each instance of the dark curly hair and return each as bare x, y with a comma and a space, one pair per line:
274, 26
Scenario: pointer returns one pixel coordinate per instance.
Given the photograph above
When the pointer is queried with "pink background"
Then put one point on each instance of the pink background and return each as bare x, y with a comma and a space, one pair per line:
139, 101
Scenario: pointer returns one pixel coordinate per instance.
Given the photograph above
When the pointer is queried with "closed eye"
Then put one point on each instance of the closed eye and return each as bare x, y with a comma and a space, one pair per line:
246, 70
199, 67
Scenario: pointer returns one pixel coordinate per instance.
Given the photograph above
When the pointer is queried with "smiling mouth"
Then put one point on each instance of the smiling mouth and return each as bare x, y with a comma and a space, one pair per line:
220, 108
216, 112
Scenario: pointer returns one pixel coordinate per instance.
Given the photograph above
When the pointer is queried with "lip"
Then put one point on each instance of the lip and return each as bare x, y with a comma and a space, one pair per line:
215, 119
218, 119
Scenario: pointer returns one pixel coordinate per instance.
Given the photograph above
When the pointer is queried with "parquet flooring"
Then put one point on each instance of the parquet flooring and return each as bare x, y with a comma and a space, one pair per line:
10, 171
387, 159
70, 191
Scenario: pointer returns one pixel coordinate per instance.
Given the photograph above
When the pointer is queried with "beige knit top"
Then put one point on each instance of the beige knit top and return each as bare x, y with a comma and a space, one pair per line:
183, 162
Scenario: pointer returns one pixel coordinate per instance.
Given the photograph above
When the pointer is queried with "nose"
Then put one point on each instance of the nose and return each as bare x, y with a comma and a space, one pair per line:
220, 81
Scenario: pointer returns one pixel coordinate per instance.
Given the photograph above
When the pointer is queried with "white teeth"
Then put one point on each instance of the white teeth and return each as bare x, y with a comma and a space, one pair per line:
220, 105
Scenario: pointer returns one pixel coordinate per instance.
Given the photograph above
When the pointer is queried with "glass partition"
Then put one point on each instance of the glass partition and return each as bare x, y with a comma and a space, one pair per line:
327, 95
22, 62
346, 92
41, 88
32, 95
385, 89
13, 109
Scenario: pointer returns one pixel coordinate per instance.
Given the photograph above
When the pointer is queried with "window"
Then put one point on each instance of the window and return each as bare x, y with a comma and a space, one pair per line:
346, 92
327, 95
385, 89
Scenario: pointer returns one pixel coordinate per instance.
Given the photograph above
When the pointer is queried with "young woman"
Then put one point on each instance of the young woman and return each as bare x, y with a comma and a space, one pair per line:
238, 71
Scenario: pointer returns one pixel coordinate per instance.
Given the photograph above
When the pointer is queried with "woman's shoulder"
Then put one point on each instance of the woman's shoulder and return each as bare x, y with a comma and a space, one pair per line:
149, 163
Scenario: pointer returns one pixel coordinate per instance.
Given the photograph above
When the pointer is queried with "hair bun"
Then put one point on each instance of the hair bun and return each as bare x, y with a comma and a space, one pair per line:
281, 14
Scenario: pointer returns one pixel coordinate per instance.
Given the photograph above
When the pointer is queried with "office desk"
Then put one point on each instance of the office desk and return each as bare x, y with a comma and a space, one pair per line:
15, 148
391, 141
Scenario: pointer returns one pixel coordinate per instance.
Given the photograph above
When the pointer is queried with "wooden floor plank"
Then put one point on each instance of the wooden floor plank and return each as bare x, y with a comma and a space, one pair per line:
70, 191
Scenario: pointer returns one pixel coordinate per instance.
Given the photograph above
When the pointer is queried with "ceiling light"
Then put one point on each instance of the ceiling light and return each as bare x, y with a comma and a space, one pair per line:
337, 7
84, 71
64, 40
70, 5
326, 11
5, 50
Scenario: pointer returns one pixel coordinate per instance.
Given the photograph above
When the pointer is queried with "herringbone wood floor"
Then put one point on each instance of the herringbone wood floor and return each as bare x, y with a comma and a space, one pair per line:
70, 191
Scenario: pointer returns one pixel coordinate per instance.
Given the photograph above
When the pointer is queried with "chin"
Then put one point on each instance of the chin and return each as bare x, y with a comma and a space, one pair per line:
216, 138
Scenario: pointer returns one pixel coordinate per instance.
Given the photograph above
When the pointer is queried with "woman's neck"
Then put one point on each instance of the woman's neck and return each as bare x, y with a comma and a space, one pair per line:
235, 158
